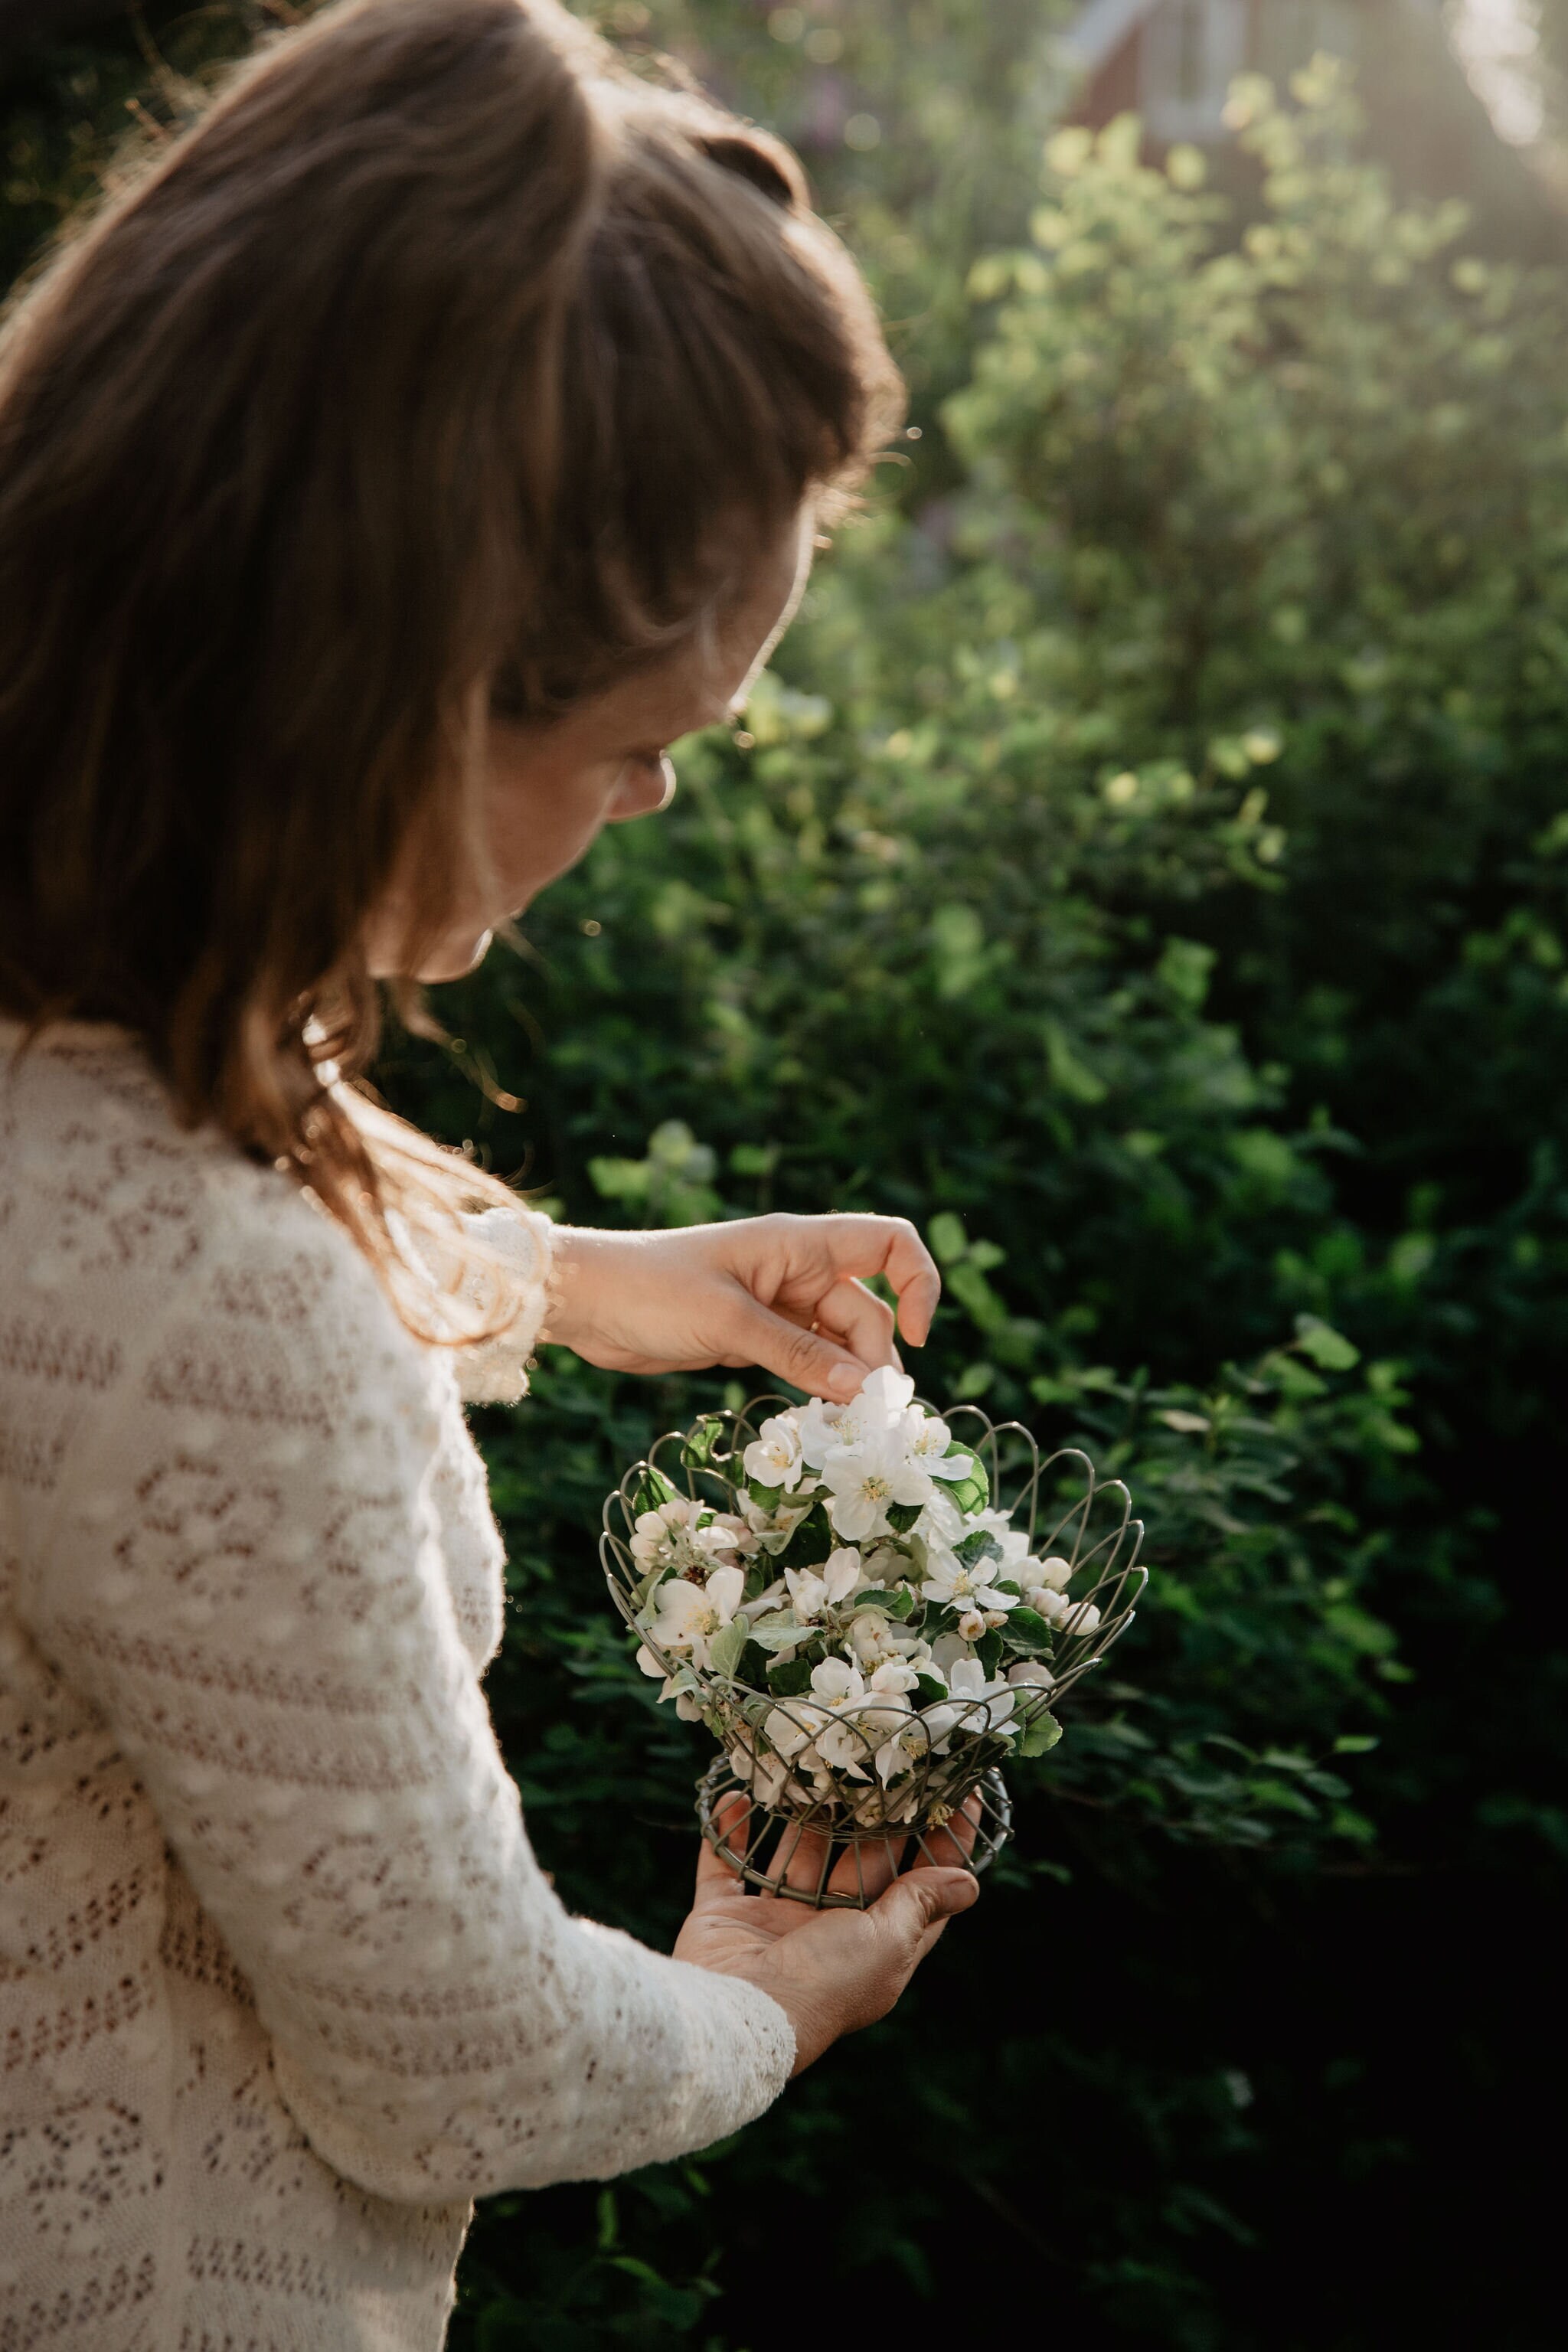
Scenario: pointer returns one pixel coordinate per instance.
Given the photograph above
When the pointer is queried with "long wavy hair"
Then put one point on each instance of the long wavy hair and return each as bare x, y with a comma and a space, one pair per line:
426, 375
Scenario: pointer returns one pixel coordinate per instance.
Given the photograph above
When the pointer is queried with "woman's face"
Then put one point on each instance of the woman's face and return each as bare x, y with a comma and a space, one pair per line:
549, 790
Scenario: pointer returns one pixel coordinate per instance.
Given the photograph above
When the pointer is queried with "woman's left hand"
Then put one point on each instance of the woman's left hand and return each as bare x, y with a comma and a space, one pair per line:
782, 1292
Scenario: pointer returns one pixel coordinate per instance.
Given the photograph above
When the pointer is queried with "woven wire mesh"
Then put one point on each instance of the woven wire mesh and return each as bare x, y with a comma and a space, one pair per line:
807, 1772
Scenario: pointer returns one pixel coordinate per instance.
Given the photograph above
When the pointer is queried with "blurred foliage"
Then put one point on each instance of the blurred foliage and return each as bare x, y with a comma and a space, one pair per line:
1145, 868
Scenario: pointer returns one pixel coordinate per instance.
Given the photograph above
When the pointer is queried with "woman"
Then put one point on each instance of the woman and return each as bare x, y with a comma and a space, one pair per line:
438, 430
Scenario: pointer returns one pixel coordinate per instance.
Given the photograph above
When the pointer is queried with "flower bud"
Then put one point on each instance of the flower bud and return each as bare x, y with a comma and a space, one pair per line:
972, 1626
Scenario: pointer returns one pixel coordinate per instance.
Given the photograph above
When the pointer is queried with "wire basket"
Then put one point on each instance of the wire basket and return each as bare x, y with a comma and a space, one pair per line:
814, 1800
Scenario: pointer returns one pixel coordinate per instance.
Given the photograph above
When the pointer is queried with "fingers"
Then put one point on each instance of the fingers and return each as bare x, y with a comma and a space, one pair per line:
912, 1269
952, 1845
807, 1360
868, 1868
801, 1860
716, 1880
864, 1245
863, 1321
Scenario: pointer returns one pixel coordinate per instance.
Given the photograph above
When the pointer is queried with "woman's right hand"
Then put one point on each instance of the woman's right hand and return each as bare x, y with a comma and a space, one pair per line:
830, 1971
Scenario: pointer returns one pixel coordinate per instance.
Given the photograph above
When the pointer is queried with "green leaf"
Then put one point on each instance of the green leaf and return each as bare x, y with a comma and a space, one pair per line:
810, 1544
947, 1237
652, 1491
929, 1691
974, 1494
609, 2224
755, 1159
1361, 1631
725, 1648
988, 1650
1328, 1349
779, 1632
887, 1605
643, 1590
790, 1678
1068, 1075
753, 1666
697, 1446
1028, 1635
975, 1294
978, 1547
766, 1498
901, 1517
1041, 1734
1355, 1743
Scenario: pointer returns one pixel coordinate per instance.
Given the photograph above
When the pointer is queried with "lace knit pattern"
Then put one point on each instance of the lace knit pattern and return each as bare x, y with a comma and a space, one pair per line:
281, 1985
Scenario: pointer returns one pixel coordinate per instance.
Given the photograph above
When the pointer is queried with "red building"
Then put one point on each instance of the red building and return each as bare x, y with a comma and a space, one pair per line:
1173, 61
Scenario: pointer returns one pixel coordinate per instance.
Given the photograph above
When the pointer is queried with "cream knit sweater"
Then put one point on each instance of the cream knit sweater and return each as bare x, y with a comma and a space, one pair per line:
281, 1985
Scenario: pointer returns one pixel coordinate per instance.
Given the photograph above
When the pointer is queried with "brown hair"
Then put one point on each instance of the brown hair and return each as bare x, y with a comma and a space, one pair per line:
434, 363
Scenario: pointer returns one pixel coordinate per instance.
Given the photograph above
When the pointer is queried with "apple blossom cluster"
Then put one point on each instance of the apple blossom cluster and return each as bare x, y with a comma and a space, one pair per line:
863, 1629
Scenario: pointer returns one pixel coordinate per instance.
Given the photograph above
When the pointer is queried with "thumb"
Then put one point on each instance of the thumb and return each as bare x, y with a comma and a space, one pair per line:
804, 1359
925, 1899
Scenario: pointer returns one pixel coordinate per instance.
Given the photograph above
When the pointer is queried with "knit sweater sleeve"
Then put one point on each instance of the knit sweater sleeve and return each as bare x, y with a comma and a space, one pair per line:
496, 1370
245, 1575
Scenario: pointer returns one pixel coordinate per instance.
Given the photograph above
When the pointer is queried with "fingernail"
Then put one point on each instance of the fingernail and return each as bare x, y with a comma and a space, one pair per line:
845, 1382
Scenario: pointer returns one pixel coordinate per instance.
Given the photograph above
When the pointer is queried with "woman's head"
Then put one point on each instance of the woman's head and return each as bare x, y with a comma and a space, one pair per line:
441, 388
548, 786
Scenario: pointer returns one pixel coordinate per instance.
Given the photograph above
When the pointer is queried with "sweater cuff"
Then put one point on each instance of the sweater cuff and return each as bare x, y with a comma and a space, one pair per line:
741, 2045
496, 1370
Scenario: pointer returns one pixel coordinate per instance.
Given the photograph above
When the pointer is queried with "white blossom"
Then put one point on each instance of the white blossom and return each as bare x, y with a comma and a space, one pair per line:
861, 1717
793, 1725
680, 1536
817, 1426
954, 1586
928, 1439
863, 1483
967, 1685
887, 1393
1052, 1606
896, 1675
765, 1778
1031, 1674
687, 1616
836, 1681
1075, 1618
1010, 1541
773, 1457
812, 1590
913, 1743
942, 1526
876, 1638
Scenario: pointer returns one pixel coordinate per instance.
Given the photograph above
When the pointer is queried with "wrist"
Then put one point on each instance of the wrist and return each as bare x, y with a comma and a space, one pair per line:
567, 1256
